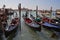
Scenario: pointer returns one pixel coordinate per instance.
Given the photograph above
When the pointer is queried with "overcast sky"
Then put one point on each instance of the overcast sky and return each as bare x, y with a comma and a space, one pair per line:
31, 4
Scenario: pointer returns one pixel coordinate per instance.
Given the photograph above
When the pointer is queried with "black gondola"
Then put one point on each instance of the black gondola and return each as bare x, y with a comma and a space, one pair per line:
51, 26
13, 25
12, 28
31, 23
55, 22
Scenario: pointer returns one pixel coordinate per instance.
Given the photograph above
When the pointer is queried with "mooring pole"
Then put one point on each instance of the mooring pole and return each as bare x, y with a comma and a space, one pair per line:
36, 11
19, 9
51, 12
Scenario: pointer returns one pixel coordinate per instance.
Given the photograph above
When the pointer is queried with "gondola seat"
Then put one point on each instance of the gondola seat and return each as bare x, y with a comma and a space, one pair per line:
28, 20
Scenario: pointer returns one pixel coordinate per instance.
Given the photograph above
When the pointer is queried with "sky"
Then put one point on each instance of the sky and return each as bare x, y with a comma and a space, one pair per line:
9, 3
31, 4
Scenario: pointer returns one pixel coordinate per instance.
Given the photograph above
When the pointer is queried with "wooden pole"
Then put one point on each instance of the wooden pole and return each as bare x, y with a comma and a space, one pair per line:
19, 9
36, 11
51, 12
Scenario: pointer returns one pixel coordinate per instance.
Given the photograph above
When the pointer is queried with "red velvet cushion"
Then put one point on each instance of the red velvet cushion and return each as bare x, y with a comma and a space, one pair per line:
28, 20
45, 19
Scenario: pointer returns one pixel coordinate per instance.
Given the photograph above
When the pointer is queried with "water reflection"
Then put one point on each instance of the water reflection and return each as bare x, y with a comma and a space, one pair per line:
1, 38
10, 37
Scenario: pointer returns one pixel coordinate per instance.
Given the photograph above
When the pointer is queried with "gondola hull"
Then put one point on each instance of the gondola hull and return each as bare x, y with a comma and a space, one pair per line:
1, 32
51, 27
9, 32
33, 25
34, 28
12, 28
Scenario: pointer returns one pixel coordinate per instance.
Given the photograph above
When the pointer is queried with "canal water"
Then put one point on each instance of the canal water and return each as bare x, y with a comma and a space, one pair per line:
27, 33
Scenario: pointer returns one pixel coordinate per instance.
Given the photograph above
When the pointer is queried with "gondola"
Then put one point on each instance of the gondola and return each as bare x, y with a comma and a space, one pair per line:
55, 22
12, 27
31, 23
51, 26
8, 27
